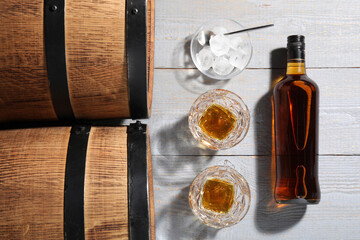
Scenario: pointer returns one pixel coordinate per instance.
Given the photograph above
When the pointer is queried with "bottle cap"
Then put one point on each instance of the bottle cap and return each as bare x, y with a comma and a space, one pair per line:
296, 41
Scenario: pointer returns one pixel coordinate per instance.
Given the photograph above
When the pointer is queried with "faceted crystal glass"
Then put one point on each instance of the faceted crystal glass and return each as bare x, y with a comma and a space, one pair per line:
240, 202
227, 119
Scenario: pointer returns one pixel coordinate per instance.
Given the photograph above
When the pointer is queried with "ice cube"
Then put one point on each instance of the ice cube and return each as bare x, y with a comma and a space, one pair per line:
201, 38
219, 45
237, 58
205, 58
222, 66
236, 42
219, 30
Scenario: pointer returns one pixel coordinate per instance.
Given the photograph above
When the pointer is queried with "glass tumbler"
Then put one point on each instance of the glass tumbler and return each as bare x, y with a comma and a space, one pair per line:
240, 201
219, 119
207, 29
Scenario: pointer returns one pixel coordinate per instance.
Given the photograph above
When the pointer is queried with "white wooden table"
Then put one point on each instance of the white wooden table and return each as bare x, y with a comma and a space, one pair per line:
332, 35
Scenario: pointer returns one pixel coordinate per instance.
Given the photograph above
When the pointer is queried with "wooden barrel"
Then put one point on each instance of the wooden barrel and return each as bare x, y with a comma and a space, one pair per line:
46, 192
81, 60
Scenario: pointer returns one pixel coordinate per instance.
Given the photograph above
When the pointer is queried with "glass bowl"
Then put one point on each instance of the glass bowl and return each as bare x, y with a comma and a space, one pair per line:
241, 200
229, 101
208, 29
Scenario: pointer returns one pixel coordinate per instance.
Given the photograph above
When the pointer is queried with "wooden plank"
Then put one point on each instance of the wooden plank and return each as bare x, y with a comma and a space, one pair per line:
336, 217
24, 87
176, 90
330, 28
96, 59
150, 46
32, 166
151, 190
106, 195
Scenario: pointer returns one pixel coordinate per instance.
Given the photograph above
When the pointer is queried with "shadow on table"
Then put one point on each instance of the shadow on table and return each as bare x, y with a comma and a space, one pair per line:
180, 222
177, 142
180, 152
191, 78
271, 217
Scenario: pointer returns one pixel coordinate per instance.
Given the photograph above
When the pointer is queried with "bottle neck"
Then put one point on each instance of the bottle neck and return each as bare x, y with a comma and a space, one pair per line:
296, 60
296, 67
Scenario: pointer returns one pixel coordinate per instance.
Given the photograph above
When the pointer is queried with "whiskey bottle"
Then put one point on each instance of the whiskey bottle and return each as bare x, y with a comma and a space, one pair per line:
295, 103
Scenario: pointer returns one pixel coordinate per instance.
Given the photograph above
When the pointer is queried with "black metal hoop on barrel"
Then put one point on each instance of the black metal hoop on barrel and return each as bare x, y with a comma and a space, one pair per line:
136, 43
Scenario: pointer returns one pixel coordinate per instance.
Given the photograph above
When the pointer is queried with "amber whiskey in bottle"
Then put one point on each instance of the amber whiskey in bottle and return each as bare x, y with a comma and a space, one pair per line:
295, 103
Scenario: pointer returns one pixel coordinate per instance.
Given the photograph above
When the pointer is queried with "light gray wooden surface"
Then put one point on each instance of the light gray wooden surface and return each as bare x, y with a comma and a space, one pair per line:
332, 31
